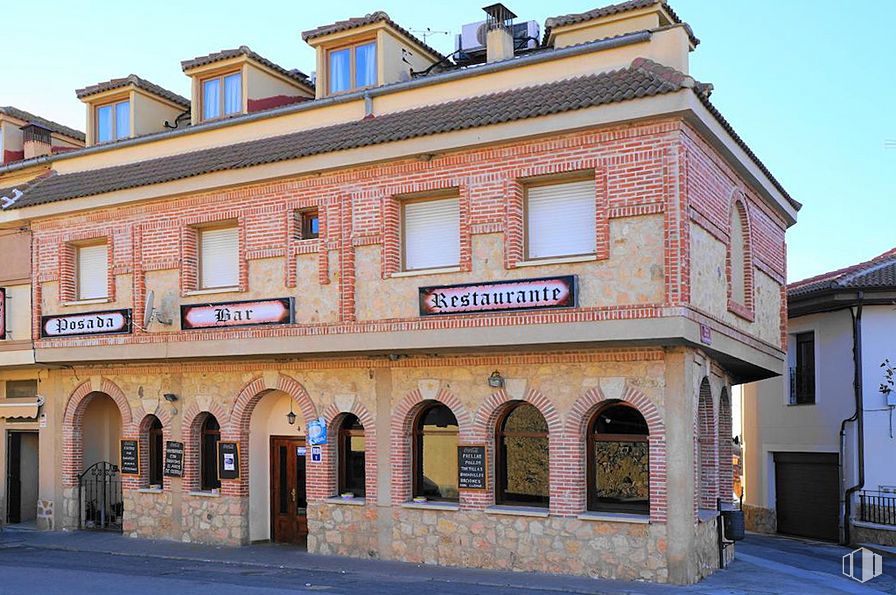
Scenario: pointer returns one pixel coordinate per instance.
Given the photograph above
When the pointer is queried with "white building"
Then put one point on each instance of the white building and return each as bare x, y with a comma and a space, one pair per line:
813, 458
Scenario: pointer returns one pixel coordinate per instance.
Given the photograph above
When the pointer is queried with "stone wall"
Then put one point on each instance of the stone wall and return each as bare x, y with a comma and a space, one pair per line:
872, 533
149, 514
706, 551
478, 539
215, 519
759, 519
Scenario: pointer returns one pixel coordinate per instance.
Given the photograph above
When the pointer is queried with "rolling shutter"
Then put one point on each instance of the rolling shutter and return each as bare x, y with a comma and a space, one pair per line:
431, 234
93, 272
219, 258
561, 220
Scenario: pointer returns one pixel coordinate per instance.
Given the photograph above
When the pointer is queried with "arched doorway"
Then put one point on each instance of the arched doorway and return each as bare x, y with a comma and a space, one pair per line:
277, 481
99, 479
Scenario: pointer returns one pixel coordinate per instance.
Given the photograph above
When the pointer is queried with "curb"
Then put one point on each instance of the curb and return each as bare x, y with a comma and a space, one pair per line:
883, 550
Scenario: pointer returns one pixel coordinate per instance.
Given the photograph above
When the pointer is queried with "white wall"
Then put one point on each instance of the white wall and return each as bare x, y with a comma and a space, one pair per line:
878, 343
268, 419
100, 431
772, 425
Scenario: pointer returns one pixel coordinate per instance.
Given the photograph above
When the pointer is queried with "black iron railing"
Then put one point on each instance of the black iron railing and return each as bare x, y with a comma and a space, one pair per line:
877, 507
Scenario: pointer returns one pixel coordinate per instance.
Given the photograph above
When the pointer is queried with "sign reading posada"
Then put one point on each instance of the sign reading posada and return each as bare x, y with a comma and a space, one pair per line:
229, 314
525, 294
112, 322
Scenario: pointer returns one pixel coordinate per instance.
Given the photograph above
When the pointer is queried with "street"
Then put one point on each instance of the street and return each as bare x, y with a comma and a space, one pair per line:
99, 563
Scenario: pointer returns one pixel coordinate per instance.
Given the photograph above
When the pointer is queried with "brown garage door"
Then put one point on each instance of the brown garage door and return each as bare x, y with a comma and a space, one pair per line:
808, 500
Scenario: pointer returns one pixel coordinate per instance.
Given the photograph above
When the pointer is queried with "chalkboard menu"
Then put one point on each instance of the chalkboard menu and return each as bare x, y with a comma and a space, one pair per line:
471, 467
130, 457
174, 459
228, 460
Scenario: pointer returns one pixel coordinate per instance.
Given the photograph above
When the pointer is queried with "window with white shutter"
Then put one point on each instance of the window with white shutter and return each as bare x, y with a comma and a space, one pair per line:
431, 234
93, 272
560, 220
219, 257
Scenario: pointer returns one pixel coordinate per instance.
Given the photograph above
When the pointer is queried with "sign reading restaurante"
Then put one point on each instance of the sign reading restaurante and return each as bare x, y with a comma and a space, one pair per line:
525, 294
229, 314
112, 322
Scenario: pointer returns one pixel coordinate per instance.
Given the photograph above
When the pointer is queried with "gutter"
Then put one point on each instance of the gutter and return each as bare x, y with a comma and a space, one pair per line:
584, 48
858, 417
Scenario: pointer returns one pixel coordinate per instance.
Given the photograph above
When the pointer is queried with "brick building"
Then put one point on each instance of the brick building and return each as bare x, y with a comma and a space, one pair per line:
514, 286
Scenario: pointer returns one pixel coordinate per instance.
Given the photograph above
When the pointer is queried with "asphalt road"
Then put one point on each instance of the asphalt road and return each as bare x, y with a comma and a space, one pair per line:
73, 563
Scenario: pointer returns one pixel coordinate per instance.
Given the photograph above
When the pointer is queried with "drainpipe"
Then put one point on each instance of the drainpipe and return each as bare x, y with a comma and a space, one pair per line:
858, 417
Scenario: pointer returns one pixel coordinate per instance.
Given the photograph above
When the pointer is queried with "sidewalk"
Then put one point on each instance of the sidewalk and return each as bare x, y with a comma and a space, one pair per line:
764, 564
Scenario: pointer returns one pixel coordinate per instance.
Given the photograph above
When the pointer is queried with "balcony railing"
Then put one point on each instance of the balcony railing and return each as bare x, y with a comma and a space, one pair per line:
877, 507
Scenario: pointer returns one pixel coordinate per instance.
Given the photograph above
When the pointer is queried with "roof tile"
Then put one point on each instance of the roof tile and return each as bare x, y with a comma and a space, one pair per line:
138, 82
20, 114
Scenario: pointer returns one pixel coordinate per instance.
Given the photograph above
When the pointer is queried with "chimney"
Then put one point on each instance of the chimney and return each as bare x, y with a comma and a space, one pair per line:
37, 140
499, 39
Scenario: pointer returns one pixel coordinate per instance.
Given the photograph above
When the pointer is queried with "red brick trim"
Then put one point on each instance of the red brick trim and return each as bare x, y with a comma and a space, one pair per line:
240, 419
740, 209
191, 424
334, 416
402, 419
72, 430
726, 449
572, 496
189, 247
706, 466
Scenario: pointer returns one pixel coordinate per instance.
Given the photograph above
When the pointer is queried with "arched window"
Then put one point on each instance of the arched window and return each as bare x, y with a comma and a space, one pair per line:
737, 256
618, 460
351, 456
435, 453
522, 457
208, 453
154, 437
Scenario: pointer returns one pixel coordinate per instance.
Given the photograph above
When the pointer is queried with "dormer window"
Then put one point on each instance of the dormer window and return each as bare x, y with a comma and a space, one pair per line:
113, 121
222, 96
352, 67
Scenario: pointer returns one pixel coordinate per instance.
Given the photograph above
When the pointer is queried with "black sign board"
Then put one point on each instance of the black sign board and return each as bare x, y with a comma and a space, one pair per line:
499, 296
2, 313
174, 459
130, 457
471, 467
110, 322
228, 460
230, 314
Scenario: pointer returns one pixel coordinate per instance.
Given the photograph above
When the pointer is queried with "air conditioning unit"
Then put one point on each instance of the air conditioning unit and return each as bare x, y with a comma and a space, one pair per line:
471, 38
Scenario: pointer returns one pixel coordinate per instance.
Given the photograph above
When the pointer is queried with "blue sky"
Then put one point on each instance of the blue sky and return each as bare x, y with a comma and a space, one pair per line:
809, 85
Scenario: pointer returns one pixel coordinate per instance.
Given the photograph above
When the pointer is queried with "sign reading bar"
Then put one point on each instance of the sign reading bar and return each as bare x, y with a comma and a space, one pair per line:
230, 314
471, 467
228, 460
174, 459
112, 322
2, 313
130, 457
525, 294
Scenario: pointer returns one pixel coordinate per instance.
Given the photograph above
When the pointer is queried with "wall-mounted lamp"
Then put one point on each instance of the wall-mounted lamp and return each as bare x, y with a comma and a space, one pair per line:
496, 380
291, 417
171, 398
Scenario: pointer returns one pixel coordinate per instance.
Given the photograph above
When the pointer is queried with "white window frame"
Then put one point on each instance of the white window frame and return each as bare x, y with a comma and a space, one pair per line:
589, 212
103, 273
409, 239
220, 280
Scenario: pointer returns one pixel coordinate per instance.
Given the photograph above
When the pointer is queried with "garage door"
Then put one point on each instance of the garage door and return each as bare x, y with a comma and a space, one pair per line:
808, 501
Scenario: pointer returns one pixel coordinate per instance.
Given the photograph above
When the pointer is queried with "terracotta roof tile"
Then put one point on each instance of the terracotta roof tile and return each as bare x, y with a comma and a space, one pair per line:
497, 108
20, 114
368, 19
138, 82
877, 273
295, 74
604, 11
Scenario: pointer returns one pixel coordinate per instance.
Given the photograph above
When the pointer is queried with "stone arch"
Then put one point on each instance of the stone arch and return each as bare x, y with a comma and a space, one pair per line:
402, 418
726, 449
740, 213
488, 413
577, 422
334, 415
193, 417
143, 437
252, 393
706, 449
72, 418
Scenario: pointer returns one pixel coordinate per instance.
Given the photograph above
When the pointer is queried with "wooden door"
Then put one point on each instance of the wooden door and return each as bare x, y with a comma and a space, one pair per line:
289, 523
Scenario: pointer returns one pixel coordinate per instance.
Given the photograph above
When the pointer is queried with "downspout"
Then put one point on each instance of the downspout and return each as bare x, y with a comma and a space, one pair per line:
858, 417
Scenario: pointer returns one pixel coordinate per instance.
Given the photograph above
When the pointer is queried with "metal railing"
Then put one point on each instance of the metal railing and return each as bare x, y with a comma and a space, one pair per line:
877, 507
